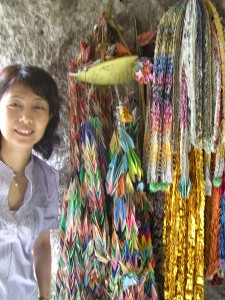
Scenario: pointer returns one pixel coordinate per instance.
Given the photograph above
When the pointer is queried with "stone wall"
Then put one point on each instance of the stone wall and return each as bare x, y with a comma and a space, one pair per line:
47, 33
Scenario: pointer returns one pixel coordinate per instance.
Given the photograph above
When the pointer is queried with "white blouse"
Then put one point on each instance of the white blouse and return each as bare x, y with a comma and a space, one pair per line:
19, 230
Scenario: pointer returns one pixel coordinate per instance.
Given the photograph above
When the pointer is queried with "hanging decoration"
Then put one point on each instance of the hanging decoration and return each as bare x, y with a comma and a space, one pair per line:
132, 254
99, 261
105, 58
186, 150
184, 235
84, 226
109, 214
142, 70
187, 83
86, 101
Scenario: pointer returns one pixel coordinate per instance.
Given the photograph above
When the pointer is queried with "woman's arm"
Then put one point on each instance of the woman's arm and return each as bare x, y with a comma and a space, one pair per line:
42, 263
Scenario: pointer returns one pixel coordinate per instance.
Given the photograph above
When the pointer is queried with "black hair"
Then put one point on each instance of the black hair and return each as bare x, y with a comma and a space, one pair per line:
42, 84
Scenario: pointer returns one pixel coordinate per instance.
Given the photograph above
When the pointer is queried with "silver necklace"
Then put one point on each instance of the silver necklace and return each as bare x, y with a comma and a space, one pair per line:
18, 179
15, 182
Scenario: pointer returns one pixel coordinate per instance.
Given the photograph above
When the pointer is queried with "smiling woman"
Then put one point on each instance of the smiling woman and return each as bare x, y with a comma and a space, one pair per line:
23, 118
39, 82
29, 116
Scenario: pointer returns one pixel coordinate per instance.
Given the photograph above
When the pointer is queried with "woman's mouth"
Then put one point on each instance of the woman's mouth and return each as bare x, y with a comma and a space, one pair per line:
24, 132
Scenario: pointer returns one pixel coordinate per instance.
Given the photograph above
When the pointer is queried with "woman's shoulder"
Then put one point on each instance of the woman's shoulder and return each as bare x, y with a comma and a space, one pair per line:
42, 168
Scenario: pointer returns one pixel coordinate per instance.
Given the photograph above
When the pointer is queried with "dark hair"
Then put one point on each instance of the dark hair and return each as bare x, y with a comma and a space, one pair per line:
43, 85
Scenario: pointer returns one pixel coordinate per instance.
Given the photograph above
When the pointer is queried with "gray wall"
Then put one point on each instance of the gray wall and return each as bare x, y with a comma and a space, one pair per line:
47, 33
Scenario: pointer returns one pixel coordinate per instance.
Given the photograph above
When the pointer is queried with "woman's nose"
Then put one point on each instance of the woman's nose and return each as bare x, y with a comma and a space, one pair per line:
26, 117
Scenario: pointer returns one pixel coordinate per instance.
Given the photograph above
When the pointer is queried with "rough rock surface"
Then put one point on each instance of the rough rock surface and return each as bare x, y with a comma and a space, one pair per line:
47, 33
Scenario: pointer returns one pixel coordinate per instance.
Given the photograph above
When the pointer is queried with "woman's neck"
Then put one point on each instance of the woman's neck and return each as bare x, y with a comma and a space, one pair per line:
16, 159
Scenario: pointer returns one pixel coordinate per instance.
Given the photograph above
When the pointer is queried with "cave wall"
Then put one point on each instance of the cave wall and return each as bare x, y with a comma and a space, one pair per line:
47, 33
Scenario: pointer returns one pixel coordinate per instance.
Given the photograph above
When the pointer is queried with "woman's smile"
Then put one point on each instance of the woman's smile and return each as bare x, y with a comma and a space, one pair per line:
24, 132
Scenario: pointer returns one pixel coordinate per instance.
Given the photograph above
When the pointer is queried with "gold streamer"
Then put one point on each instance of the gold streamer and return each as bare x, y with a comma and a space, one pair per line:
184, 235
208, 216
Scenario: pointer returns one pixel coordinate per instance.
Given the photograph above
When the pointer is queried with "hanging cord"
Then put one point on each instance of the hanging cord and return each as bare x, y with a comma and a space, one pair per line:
136, 45
89, 93
119, 123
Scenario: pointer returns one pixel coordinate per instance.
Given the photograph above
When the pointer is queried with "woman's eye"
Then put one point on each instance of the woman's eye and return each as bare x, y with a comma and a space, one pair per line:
14, 105
39, 107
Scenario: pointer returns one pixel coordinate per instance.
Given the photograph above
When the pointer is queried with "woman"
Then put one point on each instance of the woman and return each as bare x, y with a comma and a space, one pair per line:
29, 116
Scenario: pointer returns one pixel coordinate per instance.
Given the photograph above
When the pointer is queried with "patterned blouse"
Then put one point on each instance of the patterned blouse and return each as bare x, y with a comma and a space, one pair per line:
19, 230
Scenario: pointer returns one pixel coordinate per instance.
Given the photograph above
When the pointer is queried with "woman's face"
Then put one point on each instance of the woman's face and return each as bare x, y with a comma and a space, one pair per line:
24, 117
